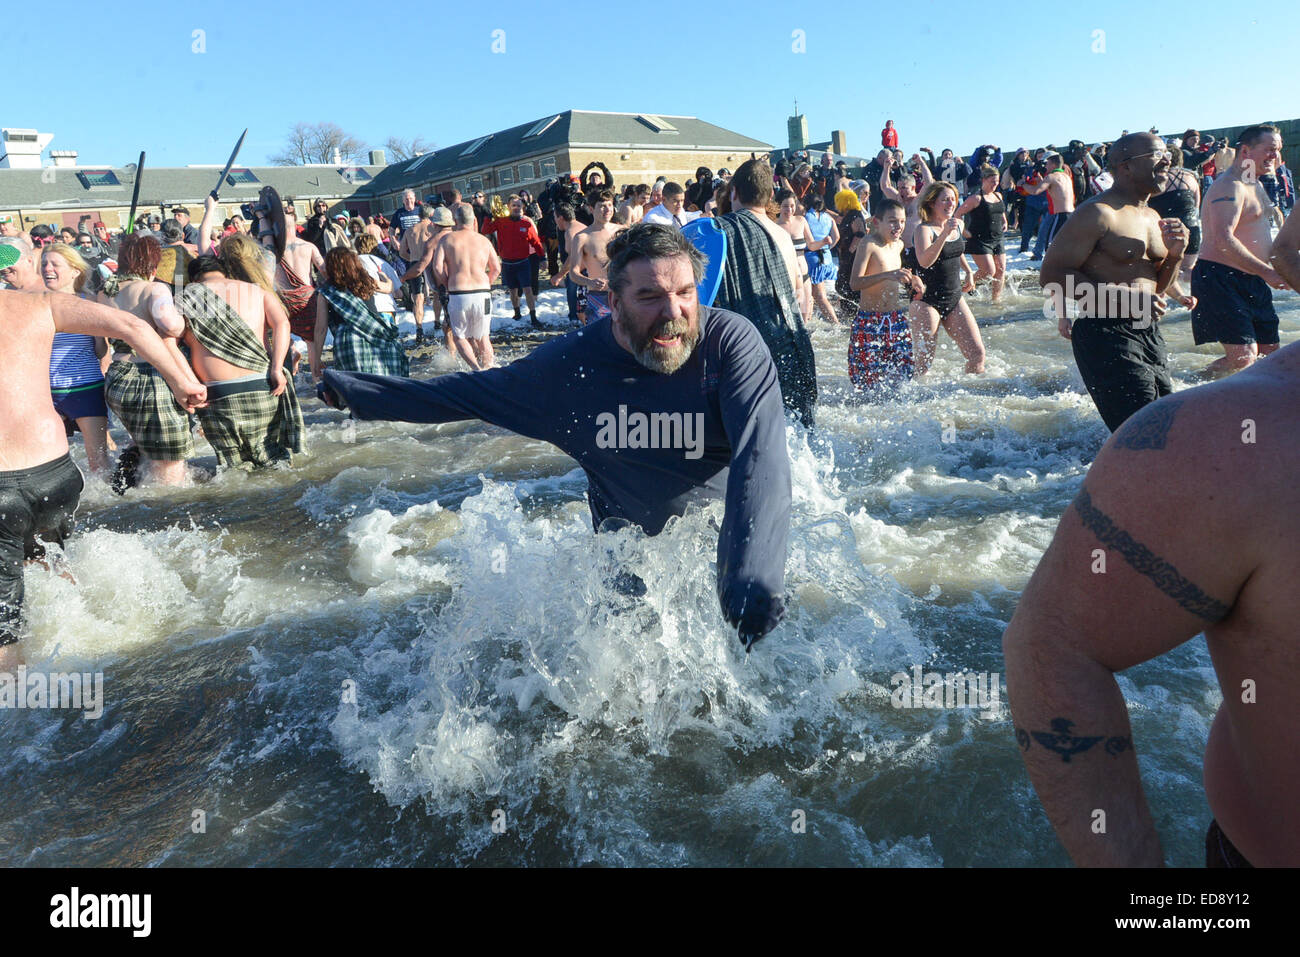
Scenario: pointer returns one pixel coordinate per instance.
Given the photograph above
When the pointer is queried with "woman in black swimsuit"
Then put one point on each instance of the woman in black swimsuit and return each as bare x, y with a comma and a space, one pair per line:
1182, 200
988, 221
938, 249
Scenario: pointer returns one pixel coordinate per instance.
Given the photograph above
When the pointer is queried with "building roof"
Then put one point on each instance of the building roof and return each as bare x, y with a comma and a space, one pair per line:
56, 187
572, 128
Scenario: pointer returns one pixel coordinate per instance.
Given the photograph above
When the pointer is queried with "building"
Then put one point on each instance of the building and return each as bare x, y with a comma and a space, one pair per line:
60, 194
636, 147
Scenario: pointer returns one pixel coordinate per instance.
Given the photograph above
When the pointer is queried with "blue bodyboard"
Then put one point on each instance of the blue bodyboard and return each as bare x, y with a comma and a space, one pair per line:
705, 236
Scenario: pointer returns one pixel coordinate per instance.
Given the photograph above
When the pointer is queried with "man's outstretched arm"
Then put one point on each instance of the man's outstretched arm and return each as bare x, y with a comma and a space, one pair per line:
1126, 578
752, 541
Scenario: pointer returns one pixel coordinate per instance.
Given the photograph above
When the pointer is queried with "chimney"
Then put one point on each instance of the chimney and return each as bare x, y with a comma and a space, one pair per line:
337, 158
64, 158
377, 158
797, 128
839, 143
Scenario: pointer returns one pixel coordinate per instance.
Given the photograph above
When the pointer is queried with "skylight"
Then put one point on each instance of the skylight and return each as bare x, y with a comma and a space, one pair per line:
541, 126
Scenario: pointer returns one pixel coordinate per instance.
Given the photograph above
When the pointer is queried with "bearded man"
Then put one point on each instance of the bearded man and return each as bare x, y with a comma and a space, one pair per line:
663, 403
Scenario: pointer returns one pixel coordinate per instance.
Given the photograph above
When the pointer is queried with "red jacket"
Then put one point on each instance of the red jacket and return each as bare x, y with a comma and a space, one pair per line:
889, 137
516, 238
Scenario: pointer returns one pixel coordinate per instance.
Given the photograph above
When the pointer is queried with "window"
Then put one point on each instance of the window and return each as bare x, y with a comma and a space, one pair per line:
506, 177
475, 184
548, 166
541, 126
656, 123
241, 177
354, 174
527, 171
476, 145
97, 178
420, 162
461, 186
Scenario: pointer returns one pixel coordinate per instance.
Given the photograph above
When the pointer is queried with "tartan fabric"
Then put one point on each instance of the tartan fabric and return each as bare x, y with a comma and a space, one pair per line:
363, 340
248, 427
141, 400
756, 284
244, 429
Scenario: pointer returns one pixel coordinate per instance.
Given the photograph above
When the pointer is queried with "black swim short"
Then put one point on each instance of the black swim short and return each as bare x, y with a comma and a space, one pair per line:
1233, 307
978, 247
1054, 223
38, 502
416, 287
1219, 851
1123, 367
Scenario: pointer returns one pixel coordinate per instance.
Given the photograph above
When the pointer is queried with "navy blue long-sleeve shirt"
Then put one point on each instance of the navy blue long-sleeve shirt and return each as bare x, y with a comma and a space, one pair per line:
636, 435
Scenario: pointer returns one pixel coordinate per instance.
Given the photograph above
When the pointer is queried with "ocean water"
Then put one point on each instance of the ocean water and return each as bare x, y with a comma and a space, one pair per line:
408, 650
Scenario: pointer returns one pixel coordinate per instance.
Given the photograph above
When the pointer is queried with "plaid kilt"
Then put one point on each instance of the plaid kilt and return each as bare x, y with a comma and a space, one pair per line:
363, 340
243, 428
141, 400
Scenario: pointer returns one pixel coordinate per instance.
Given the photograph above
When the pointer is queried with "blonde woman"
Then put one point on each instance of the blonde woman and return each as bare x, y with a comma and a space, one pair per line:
938, 249
77, 362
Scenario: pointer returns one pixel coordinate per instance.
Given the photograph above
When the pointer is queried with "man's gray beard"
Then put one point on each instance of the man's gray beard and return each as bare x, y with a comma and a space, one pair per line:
656, 360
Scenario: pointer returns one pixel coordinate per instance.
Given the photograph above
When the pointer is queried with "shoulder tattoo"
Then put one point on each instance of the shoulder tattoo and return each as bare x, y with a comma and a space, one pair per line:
1144, 561
1149, 428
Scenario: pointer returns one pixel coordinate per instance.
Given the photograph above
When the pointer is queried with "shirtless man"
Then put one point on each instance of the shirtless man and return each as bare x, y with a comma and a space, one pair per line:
1231, 280
440, 227
1226, 573
295, 277
1059, 186
880, 344
415, 242
568, 226
467, 265
1117, 257
39, 484
906, 192
634, 206
587, 258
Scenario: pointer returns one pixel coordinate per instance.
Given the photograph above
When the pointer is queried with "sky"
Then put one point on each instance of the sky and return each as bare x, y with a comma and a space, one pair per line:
1022, 75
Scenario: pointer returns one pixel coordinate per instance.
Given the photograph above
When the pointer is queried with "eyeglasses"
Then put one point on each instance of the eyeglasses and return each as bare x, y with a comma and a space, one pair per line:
1157, 155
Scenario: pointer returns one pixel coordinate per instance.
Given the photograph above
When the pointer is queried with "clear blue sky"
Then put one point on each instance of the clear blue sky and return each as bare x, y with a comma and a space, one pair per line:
947, 74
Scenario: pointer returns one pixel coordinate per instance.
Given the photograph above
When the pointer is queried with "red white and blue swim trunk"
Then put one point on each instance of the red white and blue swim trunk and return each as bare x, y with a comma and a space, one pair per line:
880, 349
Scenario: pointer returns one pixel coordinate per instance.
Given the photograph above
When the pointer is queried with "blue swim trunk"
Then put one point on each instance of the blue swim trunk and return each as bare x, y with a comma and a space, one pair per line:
598, 305
880, 349
517, 274
1232, 306
79, 402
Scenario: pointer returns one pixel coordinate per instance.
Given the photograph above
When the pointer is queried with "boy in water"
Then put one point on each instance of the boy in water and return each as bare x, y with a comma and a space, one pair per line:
880, 346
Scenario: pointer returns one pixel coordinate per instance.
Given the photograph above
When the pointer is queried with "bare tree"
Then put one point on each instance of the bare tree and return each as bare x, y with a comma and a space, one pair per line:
399, 148
315, 143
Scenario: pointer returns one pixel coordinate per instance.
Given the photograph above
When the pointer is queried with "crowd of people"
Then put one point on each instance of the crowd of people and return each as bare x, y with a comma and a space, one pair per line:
191, 330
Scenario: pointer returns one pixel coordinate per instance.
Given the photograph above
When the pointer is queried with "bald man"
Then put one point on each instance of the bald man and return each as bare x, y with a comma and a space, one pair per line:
1116, 257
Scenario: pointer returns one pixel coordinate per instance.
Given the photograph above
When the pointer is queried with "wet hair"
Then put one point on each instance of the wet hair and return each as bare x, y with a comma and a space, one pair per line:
649, 241
642, 189
139, 256
673, 189
885, 205
926, 205
752, 182
72, 258
564, 211
202, 265
366, 243
1253, 134
346, 272
599, 195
